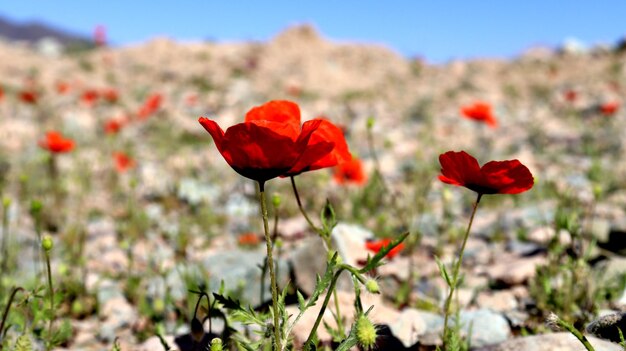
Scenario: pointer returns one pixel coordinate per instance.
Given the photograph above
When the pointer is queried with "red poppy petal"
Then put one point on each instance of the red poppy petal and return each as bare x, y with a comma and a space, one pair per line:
214, 129
508, 177
282, 111
459, 168
327, 147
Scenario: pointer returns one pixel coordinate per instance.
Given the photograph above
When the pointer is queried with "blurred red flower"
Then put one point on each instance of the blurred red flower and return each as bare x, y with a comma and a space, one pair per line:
495, 177
150, 106
248, 239
90, 97
62, 88
350, 172
56, 143
123, 162
270, 142
376, 245
480, 111
110, 95
325, 133
609, 108
1, 93
29, 97
113, 126
570, 95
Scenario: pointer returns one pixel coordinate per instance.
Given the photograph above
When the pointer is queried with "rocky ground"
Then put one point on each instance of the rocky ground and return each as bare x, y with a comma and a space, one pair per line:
135, 243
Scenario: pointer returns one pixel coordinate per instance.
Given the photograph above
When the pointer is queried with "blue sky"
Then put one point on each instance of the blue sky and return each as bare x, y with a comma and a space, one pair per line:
435, 30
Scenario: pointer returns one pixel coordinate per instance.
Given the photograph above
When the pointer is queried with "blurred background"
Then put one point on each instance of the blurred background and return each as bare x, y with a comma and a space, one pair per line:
435, 31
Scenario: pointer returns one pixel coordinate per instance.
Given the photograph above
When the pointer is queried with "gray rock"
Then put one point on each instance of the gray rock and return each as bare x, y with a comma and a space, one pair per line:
241, 273
608, 327
308, 261
550, 342
487, 327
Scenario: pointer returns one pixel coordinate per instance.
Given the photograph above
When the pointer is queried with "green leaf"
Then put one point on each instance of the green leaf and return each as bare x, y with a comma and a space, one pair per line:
328, 217
375, 261
443, 271
23, 343
228, 302
301, 302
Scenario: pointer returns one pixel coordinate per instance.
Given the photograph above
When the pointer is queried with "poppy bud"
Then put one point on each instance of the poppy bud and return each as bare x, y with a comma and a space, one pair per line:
216, 344
370, 122
365, 333
46, 243
276, 200
372, 286
35, 207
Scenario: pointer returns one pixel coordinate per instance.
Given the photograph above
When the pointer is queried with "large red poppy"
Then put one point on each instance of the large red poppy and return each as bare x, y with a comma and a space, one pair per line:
56, 143
270, 142
495, 177
480, 111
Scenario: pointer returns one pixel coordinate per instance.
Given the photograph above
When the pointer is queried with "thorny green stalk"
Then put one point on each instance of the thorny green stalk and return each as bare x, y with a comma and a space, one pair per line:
270, 263
5, 315
555, 322
50, 288
331, 288
5, 234
455, 273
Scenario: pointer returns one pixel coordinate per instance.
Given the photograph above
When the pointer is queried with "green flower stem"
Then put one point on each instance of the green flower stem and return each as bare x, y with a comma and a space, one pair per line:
554, 319
5, 315
308, 219
455, 273
270, 263
331, 288
5, 236
50, 288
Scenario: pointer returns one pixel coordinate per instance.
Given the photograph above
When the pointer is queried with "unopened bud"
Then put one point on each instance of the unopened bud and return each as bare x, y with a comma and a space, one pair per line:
216, 344
365, 333
6, 202
46, 243
276, 200
372, 286
370, 122
35, 207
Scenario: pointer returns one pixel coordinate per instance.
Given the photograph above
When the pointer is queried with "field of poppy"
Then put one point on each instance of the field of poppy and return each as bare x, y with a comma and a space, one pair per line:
274, 196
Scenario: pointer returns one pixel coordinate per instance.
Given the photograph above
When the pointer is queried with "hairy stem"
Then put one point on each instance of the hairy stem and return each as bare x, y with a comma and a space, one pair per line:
270, 263
455, 273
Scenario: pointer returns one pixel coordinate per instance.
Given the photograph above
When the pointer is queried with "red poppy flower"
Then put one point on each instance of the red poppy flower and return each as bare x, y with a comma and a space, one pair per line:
123, 162
150, 106
376, 245
62, 88
29, 97
110, 95
1, 93
350, 172
56, 143
570, 95
325, 133
270, 142
609, 108
248, 239
113, 126
90, 97
495, 177
480, 111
